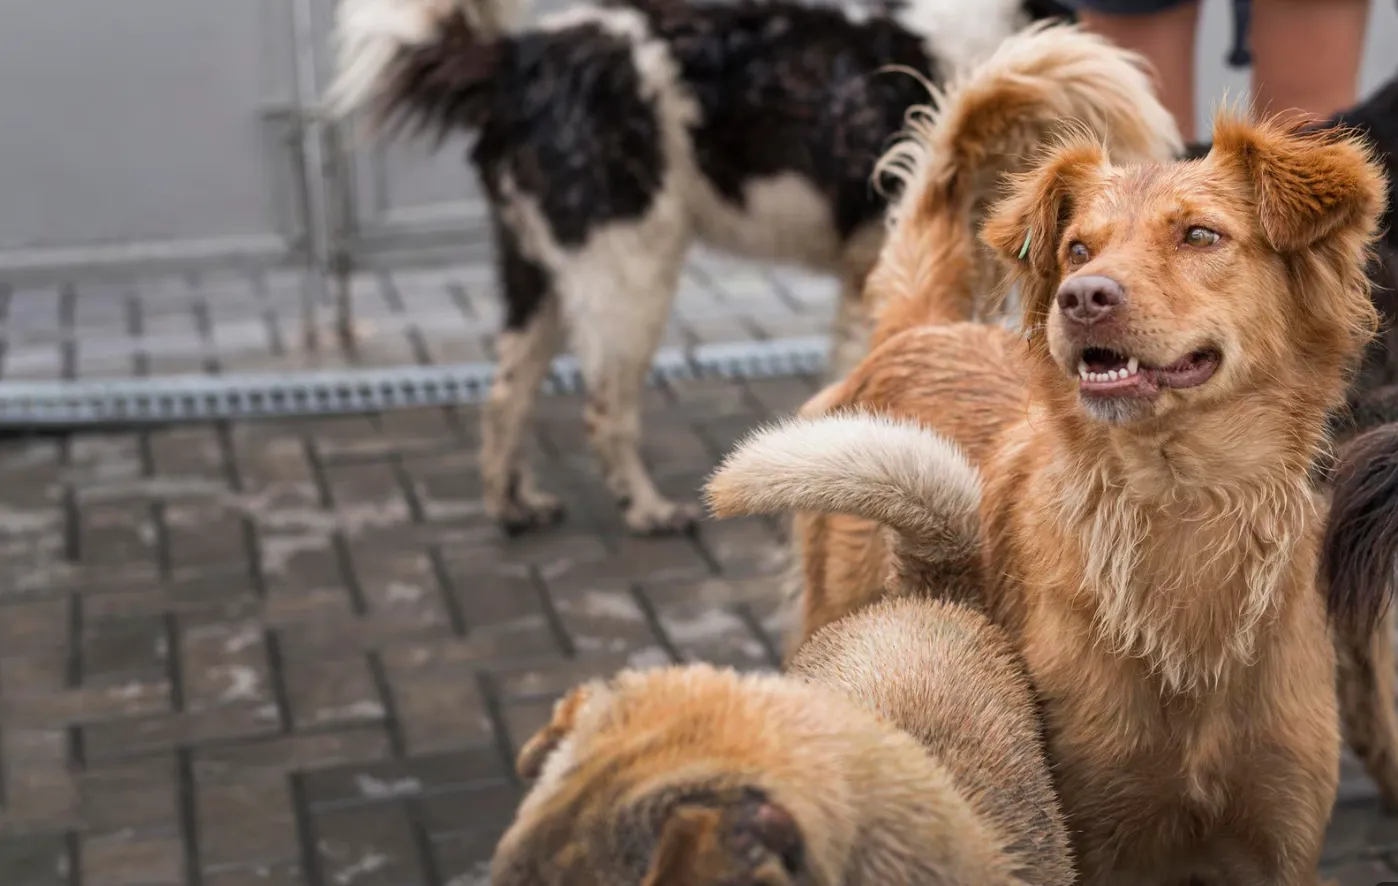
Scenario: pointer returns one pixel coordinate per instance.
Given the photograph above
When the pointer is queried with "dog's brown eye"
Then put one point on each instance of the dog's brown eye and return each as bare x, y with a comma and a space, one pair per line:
1197, 236
1078, 253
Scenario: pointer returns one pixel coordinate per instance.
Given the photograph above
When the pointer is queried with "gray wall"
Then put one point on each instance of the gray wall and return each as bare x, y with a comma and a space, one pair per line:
139, 120
147, 121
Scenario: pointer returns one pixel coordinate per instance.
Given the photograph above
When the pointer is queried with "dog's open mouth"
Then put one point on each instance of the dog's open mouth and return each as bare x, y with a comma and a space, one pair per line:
1103, 372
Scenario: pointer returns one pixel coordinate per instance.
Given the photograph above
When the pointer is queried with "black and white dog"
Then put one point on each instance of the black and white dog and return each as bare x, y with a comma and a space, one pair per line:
611, 137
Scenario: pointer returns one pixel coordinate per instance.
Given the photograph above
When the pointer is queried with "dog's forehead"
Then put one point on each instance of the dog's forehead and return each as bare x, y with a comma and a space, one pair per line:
1155, 193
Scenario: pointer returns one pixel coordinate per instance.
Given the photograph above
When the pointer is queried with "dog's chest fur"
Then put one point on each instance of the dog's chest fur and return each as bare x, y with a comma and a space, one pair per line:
1176, 650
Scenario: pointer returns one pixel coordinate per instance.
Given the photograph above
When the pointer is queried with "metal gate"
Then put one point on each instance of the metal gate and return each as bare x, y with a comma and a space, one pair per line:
163, 135
155, 134
152, 133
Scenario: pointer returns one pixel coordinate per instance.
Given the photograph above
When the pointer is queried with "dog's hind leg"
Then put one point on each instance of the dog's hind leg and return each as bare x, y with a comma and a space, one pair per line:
531, 337
1367, 676
617, 293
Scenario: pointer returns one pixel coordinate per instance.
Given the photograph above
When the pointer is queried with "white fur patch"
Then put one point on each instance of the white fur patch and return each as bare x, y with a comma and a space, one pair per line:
961, 34
783, 218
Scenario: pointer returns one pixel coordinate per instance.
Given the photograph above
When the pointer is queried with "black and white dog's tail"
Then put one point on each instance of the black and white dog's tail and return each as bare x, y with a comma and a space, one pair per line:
427, 64
893, 472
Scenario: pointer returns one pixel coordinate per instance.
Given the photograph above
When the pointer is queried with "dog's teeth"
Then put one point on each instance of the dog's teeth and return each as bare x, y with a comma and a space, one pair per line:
1132, 365
1082, 369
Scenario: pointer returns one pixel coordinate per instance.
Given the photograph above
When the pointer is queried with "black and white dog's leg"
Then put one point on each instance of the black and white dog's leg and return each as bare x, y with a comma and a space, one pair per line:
532, 336
617, 297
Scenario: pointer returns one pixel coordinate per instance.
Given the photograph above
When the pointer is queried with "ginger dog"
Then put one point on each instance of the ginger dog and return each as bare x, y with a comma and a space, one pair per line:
993, 121
1151, 534
904, 747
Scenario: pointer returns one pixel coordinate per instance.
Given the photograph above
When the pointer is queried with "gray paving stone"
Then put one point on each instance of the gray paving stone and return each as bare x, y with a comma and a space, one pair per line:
297, 653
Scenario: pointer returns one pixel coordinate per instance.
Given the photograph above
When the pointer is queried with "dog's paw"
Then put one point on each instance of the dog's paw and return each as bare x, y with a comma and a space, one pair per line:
662, 518
538, 510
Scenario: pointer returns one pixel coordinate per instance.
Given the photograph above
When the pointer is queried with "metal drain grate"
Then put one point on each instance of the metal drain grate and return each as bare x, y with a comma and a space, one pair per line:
26, 404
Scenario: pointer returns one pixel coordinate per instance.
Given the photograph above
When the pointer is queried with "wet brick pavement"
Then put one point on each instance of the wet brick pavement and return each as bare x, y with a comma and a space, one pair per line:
286, 653
250, 321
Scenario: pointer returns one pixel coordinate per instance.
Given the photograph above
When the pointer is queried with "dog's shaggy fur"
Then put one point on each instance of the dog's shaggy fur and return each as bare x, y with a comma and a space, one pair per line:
904, 747
1373, 397
994, 120
1151, 534
611, 137
936, 279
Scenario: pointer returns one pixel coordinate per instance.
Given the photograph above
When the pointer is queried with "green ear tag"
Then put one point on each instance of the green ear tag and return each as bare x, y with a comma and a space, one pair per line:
1024, 250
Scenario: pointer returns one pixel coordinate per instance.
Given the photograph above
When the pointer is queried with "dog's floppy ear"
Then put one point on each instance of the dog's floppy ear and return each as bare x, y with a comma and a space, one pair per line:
689, 839
705, 845
1027, 224
1309, 185
537, 749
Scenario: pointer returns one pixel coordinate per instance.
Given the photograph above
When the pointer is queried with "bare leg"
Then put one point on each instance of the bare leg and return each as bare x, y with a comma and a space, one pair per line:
1306, 55
1166, 38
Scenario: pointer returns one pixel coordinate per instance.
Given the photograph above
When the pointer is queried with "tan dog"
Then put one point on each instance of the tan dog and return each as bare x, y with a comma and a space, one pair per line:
1151, 534
996, 120
904, 748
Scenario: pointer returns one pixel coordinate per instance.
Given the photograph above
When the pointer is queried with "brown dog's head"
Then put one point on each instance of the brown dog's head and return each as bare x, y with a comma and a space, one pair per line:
1164, 290
673, 777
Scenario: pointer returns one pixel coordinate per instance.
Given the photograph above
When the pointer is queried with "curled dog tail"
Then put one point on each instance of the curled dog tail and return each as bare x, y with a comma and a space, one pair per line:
997, 118
429, 63
893, 472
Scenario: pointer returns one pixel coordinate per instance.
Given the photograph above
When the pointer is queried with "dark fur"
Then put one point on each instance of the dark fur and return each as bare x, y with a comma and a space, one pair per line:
782, 87
548, 106
1357, 559
807, 83
526, 280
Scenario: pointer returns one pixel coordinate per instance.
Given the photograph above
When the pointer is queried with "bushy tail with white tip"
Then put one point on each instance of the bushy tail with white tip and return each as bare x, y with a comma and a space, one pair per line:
423, 62
894, 472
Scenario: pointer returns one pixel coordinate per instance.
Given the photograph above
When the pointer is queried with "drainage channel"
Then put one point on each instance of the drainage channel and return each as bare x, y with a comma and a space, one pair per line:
35, 405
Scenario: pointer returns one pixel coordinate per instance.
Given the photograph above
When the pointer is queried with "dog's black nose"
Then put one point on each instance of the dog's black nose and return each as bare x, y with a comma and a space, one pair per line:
1090, 299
